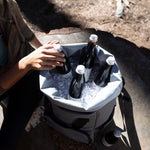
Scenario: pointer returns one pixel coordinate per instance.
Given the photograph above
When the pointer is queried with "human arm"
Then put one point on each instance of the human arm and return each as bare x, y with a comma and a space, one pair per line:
43, 58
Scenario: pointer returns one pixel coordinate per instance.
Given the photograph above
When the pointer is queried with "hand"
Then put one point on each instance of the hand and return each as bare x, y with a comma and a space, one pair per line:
43, 58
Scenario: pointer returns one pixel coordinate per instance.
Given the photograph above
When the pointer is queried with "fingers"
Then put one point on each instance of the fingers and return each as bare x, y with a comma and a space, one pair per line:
53, 52
46, 57
49, 50
54, 56
53, 42
50, 44
51, 63
47, 67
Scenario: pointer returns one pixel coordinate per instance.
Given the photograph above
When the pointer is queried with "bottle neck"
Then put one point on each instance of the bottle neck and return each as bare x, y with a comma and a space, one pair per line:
90, 46
78, 76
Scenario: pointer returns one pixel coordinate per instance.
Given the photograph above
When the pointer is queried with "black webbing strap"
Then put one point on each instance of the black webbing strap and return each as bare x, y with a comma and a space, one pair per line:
124, 96
126, 108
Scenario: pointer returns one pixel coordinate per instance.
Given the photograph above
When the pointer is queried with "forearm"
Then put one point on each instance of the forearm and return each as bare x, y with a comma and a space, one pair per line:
12, 76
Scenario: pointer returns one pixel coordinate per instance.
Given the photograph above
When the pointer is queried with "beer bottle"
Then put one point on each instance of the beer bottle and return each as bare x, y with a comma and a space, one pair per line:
87, 55
65, 70
111, 137
77, 83
103, 76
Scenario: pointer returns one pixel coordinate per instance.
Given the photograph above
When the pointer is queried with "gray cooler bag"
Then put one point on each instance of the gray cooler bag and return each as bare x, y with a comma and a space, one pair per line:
80, 119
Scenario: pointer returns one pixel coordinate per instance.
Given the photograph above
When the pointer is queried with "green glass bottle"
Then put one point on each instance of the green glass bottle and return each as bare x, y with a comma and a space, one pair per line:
77, 84
103, 76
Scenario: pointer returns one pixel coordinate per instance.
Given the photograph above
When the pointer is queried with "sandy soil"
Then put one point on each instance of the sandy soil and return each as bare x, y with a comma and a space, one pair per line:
97, 14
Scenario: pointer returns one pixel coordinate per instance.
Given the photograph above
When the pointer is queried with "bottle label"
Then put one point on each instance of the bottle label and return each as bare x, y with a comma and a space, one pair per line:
87, 74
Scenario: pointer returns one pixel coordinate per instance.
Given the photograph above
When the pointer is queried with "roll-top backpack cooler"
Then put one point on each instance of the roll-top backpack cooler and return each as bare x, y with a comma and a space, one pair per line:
79, 120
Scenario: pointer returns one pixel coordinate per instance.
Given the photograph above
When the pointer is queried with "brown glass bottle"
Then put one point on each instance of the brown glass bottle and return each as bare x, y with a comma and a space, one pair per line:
87, 55
64, 70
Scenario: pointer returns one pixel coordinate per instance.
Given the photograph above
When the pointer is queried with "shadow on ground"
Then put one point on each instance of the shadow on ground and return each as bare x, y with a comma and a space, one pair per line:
44, 16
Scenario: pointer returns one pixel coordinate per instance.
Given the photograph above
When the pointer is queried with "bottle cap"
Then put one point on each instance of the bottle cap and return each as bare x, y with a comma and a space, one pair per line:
110, 60
117, 133
80, 69
93, 37
58, 47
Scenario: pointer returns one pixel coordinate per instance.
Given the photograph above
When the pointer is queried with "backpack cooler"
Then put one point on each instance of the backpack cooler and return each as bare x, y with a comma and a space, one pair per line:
78, 120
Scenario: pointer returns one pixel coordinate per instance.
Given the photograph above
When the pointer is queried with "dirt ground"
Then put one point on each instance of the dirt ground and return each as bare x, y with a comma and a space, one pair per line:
97, 14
